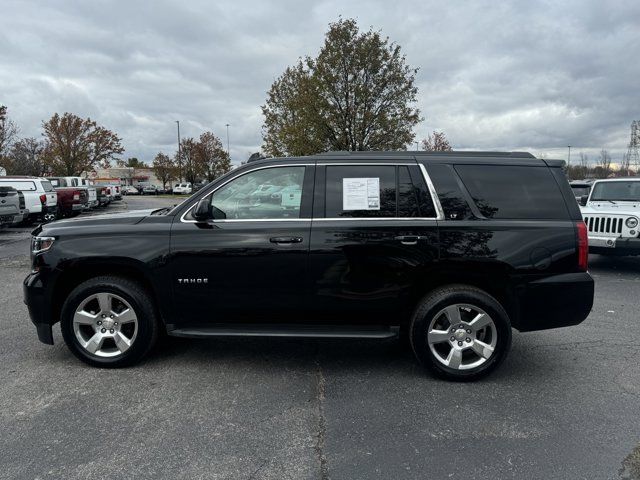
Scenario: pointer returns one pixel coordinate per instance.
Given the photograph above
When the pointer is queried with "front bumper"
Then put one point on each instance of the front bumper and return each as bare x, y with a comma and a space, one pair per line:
35, 299
617, 245
556, 301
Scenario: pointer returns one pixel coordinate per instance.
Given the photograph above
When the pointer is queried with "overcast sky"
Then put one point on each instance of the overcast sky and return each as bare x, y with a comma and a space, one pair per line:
520, 75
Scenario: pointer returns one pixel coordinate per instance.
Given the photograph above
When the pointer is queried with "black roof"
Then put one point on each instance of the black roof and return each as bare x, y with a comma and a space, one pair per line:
413, 153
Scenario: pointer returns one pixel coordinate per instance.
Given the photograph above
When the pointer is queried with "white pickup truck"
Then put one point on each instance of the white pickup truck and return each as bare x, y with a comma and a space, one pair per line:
612, 213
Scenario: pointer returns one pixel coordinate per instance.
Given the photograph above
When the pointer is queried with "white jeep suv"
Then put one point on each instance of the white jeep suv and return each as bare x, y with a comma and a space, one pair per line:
612, 214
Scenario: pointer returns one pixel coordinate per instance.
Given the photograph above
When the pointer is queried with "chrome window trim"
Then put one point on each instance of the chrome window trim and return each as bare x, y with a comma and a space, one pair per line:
427, 179
432, 191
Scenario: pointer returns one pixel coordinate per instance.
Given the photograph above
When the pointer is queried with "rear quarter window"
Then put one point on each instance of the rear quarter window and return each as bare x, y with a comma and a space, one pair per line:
514, 192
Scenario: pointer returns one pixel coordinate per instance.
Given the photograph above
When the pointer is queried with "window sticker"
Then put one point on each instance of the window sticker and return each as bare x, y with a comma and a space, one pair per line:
361, 193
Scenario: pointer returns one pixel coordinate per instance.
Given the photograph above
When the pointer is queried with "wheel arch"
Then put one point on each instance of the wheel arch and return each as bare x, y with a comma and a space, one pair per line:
80, 271
491, 279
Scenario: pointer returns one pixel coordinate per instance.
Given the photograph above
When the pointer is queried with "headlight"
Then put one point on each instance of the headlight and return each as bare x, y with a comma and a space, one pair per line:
41, 244
632, 222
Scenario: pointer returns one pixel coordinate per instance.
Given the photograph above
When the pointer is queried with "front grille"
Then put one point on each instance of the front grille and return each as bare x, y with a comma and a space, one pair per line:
603, 224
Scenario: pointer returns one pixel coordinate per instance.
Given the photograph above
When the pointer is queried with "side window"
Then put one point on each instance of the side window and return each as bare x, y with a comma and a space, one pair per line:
514, 192
449, 193
414, 199
270, 193
360, 191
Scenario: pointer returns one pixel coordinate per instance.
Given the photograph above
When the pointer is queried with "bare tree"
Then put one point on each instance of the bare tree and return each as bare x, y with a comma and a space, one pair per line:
605, 162
8, 132
436, 142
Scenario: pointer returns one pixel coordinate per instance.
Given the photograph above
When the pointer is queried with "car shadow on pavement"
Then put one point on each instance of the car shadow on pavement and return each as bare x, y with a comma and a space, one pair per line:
335, 355
613, 264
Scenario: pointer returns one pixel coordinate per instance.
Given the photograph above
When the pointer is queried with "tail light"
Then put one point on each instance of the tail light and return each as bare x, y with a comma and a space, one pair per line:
76, 196
43, 199
583, 246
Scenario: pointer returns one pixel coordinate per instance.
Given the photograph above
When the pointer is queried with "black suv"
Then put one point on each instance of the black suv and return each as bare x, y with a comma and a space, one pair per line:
451, 249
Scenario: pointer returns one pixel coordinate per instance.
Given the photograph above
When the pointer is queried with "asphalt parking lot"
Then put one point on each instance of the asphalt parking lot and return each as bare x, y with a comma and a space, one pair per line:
564, 404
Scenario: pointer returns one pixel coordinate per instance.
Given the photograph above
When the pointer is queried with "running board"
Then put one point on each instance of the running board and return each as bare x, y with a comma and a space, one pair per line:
286, 330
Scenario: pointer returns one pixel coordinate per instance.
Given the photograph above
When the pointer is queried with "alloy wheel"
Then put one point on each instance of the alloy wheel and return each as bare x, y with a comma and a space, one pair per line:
462, 336
105, 324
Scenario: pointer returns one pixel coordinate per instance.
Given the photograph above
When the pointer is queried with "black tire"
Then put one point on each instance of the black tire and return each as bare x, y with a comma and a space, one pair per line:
141, 302
434, 303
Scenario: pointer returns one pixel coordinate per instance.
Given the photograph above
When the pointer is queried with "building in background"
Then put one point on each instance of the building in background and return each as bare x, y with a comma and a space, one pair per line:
127, 175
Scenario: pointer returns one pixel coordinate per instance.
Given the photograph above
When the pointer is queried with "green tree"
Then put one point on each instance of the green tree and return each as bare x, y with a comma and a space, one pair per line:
211, 158
26, 158
190, 167
164, 168
75, 145
131, 162
357, 94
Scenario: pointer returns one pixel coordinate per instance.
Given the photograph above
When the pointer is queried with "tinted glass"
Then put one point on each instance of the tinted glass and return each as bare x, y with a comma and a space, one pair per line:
513, 192
414, 199
360, 191
620, 191
264, 194
451, 198
579, 191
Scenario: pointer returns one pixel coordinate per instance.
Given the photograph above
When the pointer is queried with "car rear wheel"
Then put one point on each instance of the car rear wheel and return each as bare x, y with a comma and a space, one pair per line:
109, 322
460, 333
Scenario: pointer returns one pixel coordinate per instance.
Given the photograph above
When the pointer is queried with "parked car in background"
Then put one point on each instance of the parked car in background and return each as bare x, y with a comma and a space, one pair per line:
183, 188
40, 197
130, 190
71, 200
453, 249
149, 190
612, 213
112, 194
85, 183
581, 189
9, 207
23, 206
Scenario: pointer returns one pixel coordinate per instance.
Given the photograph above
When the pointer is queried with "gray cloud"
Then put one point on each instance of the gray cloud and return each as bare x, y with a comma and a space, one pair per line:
506, 75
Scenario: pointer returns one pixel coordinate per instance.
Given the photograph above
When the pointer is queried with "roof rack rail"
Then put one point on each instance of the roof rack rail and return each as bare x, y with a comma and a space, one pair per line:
457, 153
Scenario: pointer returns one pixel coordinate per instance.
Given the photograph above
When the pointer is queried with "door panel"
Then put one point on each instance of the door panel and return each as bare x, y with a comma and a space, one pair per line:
250, 262
364, 266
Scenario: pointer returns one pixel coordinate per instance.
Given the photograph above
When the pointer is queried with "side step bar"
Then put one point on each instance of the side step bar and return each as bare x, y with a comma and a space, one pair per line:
285, 330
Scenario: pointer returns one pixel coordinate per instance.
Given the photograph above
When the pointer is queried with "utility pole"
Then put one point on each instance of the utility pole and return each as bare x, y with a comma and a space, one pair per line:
417, 147
228, 141
569, 158
179, 153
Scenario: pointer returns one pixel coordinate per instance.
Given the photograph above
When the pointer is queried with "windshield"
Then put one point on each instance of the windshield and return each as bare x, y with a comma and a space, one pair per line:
617, 191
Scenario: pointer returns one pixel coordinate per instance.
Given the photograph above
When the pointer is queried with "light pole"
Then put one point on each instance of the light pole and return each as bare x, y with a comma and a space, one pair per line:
417, 147
569, 158
179, 154
227, 125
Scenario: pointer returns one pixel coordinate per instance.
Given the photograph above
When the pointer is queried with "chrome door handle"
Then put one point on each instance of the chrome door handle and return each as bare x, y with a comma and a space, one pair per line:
281, 240
409, 239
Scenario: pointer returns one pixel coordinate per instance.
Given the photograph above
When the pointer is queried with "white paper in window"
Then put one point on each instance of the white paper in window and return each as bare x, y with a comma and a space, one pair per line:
361, 193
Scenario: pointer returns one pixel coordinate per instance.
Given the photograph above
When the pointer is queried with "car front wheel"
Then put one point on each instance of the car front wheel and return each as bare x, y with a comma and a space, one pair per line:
460, 333
109, 322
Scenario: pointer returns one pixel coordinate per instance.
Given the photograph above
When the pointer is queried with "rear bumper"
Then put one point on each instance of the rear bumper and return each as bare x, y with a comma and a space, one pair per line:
35, 298
556, 301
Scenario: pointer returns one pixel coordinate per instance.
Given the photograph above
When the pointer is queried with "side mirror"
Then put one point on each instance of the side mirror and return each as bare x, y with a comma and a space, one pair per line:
202, 212
583, 200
